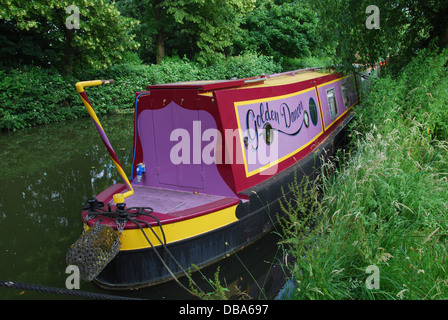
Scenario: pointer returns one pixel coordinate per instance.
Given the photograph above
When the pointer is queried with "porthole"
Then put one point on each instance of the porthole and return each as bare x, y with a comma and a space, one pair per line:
268, 133
313, 112
306, 119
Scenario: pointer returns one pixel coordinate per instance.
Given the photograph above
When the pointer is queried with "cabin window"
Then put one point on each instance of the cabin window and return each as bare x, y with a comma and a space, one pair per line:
345, 96
332, 104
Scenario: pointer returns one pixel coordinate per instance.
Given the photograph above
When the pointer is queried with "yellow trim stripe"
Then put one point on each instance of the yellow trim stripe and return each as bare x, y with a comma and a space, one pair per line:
133, 239
321, 112
242, 103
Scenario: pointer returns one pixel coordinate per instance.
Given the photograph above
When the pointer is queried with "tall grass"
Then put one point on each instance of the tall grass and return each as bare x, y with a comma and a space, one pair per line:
384, 203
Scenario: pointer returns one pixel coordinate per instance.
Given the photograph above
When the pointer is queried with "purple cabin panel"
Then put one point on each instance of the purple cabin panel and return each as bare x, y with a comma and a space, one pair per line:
173, 143
293, 120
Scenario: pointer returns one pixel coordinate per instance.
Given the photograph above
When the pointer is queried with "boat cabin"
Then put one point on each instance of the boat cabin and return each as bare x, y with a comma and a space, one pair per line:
220, 138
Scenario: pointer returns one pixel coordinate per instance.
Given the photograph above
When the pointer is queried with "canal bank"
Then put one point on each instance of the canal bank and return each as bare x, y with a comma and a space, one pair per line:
379, 217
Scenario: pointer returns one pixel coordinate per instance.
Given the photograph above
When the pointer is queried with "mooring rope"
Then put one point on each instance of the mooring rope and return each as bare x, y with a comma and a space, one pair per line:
124, 214
54, 290
164, 263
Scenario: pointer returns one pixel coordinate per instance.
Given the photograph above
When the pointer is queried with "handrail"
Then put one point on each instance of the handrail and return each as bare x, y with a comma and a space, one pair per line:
119, 197
255, 80
294, 72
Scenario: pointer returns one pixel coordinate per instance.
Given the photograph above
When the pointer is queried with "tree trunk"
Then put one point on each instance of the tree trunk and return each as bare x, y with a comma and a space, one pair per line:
160, 46
160, 41
443, 38
69, 54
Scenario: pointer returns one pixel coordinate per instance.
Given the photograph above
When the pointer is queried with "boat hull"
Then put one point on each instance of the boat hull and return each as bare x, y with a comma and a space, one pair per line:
255, 217
213, 160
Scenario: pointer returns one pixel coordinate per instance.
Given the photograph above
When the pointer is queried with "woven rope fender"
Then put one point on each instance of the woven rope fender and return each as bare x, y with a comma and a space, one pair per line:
94, 249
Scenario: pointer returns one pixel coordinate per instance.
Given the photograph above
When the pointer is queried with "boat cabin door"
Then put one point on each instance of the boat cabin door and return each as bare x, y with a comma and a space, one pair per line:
175, 146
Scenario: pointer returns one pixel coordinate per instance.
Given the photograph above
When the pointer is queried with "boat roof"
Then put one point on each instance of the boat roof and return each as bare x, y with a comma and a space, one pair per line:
276, 79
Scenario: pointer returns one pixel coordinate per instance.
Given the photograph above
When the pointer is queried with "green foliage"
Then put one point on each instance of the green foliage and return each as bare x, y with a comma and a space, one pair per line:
146, 31
33, 96
203, 29
281, 29
219, 292
35, 32
343, 33
174, 70
308, 62
36, 96
405, 27
214, 23
419, 93
384, 202
248, 64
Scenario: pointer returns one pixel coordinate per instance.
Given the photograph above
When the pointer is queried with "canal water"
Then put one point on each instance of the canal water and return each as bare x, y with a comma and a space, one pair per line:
48, 173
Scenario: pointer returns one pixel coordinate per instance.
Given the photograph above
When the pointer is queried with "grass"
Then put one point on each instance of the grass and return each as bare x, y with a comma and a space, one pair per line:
382, 204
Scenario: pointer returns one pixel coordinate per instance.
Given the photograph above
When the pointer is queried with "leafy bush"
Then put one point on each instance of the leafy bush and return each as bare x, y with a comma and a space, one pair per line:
248, 64
174, 70
34, 96
302, 63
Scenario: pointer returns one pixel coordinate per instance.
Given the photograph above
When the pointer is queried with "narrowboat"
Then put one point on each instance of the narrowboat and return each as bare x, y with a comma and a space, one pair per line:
210, 159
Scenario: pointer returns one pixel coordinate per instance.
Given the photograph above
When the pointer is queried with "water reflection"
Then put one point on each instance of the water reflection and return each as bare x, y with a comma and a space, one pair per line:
46, 176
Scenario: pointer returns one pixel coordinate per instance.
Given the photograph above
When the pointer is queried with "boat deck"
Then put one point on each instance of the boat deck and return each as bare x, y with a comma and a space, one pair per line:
166, 201
168, 205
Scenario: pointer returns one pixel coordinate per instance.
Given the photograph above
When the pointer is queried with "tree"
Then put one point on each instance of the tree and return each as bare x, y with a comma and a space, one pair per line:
37, 32
405, 27
152, 28
206, 28
426, 21
281, 29
214, 23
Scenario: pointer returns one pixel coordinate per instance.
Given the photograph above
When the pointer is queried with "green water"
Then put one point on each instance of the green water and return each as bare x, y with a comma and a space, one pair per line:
47, 174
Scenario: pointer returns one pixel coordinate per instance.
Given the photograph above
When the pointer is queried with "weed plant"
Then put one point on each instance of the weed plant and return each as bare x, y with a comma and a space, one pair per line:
383, 203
